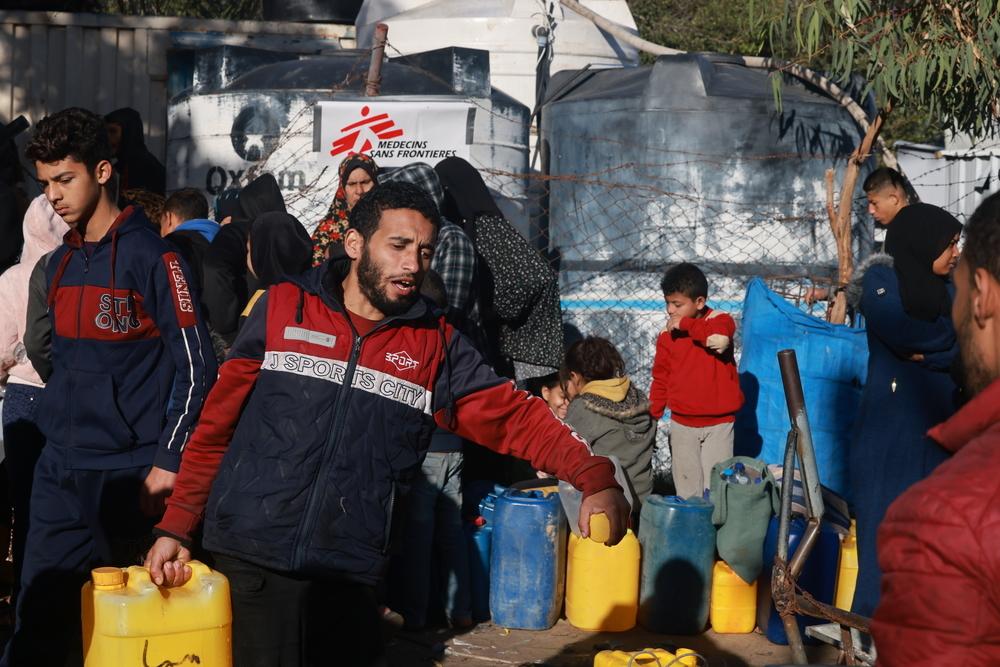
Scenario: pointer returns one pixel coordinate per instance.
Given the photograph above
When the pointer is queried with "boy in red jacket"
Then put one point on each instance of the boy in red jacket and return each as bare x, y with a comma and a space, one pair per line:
694, 374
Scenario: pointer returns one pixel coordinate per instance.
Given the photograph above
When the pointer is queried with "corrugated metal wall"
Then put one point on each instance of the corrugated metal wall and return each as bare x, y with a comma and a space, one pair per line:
956, 180
52, 60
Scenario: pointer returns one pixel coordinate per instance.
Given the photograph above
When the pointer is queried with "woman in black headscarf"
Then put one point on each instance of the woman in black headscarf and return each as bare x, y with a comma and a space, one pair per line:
137, 168
227, 286
517, 290
278, 246
905, 297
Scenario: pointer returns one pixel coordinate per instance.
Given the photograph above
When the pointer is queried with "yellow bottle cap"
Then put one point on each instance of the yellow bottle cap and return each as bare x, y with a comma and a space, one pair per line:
600, 528
107, 576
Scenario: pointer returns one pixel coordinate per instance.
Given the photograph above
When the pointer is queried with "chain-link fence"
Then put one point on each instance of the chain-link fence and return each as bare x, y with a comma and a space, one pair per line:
611, 231
611, 214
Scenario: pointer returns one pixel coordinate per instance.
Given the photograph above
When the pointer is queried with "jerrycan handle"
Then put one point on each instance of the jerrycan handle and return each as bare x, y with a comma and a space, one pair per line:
639, 654
600, 528
198, 570
571, 498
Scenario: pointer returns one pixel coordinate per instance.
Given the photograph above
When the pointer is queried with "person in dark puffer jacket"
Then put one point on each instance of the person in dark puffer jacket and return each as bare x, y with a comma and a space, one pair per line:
323, 409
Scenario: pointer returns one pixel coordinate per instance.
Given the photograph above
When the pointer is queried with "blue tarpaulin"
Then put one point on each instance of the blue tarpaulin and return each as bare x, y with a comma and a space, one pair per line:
833, 361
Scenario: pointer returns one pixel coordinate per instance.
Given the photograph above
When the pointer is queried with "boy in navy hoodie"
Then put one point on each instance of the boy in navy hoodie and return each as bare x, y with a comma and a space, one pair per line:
131, 367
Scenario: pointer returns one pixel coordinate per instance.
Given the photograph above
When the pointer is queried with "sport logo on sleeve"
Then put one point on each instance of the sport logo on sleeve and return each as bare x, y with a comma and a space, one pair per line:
178, 284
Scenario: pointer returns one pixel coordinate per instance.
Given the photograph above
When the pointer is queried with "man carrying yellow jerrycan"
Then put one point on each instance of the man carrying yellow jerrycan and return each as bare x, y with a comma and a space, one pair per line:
323, 408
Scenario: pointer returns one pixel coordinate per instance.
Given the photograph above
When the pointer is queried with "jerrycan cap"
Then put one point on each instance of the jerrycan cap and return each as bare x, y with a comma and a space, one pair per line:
108, 577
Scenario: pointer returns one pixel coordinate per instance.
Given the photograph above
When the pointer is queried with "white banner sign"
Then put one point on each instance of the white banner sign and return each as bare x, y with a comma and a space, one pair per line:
393, 133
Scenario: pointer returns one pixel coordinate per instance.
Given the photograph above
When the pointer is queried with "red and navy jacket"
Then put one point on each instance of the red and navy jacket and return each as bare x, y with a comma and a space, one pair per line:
132, 361
311, 429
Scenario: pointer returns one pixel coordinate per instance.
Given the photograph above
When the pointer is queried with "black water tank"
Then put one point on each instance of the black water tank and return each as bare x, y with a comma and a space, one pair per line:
322, 11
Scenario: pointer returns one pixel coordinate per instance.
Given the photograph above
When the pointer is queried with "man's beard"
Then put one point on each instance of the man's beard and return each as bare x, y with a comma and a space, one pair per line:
973, 373
371, 281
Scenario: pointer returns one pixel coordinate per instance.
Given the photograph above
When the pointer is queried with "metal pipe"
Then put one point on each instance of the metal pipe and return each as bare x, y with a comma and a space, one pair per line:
811, 607
796, 401
787, 489
847, 645
805, 547
374, 81
795, 643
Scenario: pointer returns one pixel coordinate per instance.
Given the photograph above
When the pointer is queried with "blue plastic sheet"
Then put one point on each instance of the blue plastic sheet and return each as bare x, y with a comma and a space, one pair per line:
833, 362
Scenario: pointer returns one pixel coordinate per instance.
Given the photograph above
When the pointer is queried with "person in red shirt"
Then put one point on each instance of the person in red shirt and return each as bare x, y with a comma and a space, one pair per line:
694, 375
938, 546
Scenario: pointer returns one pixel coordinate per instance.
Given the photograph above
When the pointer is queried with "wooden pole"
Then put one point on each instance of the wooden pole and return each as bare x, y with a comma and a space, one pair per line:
841, 222
374, 82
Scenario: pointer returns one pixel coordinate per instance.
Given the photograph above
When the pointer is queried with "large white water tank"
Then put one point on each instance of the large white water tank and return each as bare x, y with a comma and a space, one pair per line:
505, 29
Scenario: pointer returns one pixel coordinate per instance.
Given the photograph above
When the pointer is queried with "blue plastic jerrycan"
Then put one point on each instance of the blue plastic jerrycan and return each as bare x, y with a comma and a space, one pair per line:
528, 559
818, 577
678, 554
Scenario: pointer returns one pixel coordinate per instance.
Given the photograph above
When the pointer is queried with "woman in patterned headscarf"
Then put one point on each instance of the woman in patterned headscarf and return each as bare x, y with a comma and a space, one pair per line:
358, 175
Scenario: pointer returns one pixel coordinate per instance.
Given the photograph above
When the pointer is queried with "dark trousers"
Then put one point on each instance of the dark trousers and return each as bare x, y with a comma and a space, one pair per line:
22, 443
80, 519
284, 620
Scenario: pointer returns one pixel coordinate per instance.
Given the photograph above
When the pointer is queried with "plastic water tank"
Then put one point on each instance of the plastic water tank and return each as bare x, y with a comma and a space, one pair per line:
685, 160
528, 560
263, 122
504, 28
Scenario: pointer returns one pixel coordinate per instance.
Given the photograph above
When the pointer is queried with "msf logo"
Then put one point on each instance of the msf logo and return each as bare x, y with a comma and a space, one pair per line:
116, 314
402, 360
365, 134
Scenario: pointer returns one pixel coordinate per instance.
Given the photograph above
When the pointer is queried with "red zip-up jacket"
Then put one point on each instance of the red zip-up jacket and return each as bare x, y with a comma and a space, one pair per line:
311, 429
939, 549
700, 386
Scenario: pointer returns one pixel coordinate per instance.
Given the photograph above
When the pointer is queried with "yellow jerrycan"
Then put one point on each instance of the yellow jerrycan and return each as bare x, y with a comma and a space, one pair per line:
602, 583
129, 620
847, 570
649, 657
734, 602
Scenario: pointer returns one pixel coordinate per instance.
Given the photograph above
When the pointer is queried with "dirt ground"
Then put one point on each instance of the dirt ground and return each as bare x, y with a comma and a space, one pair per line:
565, 646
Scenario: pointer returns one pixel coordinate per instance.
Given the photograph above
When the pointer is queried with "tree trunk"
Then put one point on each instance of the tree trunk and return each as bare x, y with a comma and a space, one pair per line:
840, 219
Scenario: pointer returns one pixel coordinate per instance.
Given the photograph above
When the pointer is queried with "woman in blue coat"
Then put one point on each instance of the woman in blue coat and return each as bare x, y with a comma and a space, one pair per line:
905, 298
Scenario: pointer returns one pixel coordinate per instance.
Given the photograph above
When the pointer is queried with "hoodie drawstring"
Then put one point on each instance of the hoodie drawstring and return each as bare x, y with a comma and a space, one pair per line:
58, 277
298, 308
114, 252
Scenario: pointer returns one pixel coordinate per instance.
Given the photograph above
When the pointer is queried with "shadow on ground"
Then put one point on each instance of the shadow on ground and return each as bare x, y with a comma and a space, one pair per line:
565, 646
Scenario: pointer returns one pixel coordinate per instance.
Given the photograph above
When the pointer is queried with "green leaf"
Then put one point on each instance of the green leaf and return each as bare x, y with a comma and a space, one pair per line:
776, 89
814, 32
